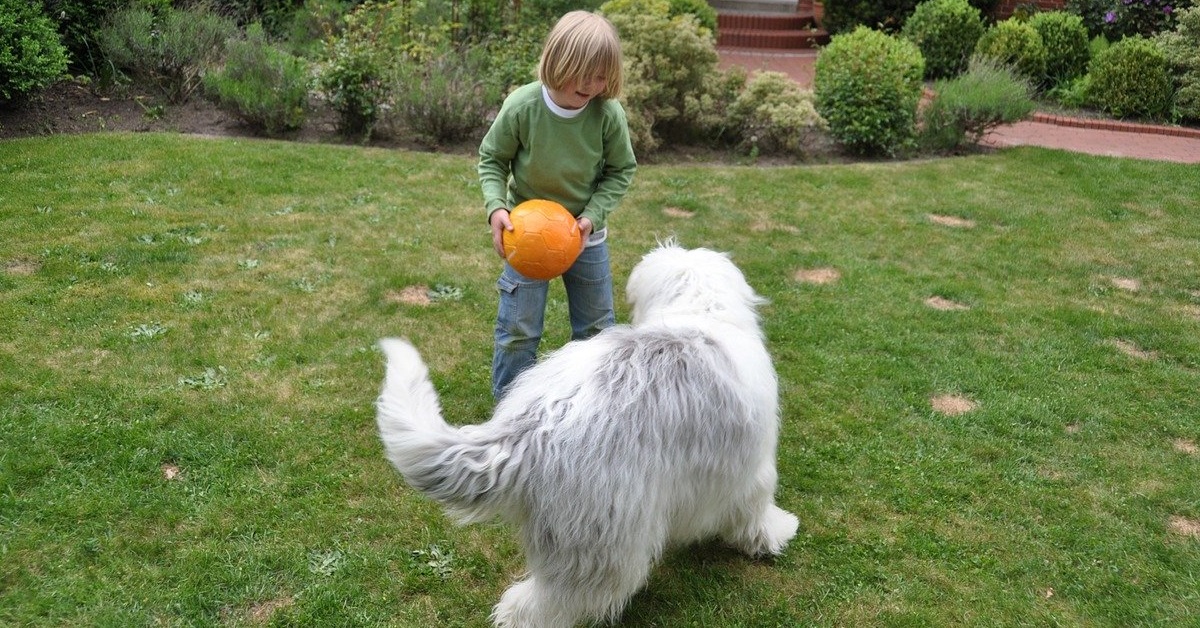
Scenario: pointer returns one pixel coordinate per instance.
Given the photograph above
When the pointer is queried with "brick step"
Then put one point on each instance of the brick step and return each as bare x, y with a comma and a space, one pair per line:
765, 21
780, 40
796, 30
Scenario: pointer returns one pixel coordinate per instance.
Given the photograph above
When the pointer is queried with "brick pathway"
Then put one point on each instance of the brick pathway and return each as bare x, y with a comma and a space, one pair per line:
1096, 137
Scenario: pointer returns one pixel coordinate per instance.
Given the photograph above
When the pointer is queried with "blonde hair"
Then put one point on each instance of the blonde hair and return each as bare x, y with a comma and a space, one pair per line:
580, 46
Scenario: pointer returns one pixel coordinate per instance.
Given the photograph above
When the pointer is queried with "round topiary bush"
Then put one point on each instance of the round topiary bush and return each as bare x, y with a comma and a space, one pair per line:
946, 31
867, 86
1066, 41
31, 53
1017, 44
1131, 79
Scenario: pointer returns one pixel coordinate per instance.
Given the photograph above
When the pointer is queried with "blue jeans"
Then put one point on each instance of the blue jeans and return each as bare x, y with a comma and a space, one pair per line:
522, 313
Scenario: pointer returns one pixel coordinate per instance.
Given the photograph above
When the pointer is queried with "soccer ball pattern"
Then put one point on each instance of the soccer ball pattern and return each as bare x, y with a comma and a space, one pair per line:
545, 239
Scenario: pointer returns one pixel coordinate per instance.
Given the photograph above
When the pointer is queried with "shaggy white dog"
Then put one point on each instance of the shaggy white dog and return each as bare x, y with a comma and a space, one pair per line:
611, 449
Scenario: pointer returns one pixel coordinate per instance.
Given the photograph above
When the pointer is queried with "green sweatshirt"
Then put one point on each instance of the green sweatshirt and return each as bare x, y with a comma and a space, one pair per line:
586, 163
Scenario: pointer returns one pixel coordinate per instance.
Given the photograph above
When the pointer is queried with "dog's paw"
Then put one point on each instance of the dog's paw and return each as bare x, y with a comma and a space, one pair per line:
779, 527
768, 534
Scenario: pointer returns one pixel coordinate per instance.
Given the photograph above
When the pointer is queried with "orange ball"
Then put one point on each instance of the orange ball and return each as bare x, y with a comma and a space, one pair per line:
545, 239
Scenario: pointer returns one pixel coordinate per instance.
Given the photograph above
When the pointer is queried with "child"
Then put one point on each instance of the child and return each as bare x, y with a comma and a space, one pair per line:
563, 138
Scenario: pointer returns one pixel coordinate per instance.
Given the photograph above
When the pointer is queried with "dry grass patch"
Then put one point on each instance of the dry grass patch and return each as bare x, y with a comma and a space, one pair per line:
1184, 526
946, 305
766, 226
1186, 446
1132, 350
678, 212
819, 276
21, 267
952, 405
1126, 283
951, 221
171, 472
410, 295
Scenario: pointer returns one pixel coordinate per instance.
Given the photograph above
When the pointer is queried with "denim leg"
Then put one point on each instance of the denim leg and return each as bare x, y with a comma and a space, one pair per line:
590, 292
519, 323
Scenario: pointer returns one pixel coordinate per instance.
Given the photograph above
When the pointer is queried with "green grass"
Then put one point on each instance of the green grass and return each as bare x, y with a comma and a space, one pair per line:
187, 373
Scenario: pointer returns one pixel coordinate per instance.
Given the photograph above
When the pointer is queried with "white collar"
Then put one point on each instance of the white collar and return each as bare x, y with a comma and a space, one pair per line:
559, 111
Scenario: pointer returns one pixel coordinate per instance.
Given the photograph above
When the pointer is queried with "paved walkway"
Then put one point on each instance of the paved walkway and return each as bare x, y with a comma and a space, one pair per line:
1096, 137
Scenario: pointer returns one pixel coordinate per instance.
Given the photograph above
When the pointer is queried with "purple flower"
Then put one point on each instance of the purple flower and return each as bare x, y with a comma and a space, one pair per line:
1167, 9
1110, 17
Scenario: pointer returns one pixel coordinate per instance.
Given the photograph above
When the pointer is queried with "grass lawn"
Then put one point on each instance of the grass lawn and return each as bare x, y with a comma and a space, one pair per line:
989, 370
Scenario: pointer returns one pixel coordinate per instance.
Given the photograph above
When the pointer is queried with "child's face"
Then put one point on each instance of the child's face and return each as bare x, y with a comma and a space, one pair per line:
577, 93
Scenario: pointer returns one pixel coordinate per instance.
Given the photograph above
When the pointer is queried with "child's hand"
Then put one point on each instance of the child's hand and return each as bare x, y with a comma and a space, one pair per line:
585, 230
500, 223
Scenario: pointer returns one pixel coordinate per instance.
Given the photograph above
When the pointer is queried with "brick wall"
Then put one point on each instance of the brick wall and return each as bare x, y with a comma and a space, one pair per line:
1006, 7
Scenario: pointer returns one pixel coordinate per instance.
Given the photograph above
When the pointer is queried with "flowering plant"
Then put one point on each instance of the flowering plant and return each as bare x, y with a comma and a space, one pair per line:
1117, 19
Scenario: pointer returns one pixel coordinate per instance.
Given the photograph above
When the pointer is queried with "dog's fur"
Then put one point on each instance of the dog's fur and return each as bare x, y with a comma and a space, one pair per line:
610, 449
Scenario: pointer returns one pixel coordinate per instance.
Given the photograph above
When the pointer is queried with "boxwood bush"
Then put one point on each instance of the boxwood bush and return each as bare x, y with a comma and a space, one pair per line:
1017, 44
32, 55
867, 86
1066, 41
1131, 80
946, 31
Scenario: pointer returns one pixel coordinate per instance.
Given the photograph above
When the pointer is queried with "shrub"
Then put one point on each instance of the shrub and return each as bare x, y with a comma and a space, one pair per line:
773, 114
966, 108
867, 86
705, 15
262, 85
510, 61
443, 100
170, 51
1018, 44
353, 80
31, 53
1182, 50
1066, 41
946, 32
843, 16
667, 59
360, 63
79, 22
1131, 79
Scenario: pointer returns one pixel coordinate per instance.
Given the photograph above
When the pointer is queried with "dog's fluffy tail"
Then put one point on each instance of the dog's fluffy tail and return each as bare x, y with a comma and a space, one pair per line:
458, 468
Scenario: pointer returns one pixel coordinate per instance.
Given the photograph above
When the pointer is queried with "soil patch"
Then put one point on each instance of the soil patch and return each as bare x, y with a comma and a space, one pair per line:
70, 107
1185, 446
